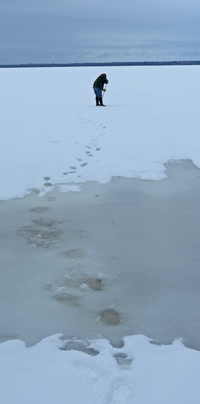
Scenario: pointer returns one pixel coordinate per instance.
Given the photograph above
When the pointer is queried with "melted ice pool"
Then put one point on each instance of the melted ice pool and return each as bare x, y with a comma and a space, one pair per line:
109, 261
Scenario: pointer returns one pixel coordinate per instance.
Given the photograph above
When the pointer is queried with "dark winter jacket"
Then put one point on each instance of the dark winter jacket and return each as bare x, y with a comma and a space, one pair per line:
100, 81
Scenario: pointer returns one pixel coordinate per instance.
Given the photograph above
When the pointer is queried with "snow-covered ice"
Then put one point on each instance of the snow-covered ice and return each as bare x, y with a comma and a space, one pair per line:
100, 236
51, 133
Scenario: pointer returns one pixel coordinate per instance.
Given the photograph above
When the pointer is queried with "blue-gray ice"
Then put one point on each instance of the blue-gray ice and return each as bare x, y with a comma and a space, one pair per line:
112, 260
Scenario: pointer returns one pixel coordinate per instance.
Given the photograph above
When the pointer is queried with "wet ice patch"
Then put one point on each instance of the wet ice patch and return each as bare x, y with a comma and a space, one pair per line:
6, 337
41, 233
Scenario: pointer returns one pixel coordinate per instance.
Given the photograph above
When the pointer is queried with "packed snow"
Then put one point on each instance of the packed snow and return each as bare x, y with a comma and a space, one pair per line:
140, 372
75, 220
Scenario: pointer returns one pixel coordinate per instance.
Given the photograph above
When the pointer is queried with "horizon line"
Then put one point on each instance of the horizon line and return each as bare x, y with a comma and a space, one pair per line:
91, 64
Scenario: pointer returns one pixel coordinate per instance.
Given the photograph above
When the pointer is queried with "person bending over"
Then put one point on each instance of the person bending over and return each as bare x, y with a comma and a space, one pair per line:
98, 88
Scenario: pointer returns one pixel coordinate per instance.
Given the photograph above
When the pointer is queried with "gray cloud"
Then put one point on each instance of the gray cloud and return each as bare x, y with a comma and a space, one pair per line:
86, 31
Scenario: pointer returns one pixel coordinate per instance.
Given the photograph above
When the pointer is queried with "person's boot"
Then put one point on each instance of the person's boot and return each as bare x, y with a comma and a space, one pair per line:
97, 101
101, 102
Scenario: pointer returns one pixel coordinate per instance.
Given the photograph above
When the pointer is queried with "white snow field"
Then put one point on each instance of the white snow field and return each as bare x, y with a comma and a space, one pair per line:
48, 123
99, 239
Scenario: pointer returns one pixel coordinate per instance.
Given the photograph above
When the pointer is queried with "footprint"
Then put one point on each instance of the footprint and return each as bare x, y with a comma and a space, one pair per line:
122, 359
65, 298
74, 253
72, 167
47, 178
69, 172
120, 394
40, 209
110, 317
51, 198
83, 164
78, 159
98, 148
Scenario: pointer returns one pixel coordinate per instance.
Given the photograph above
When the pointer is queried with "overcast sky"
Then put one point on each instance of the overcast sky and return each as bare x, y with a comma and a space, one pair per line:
69, 31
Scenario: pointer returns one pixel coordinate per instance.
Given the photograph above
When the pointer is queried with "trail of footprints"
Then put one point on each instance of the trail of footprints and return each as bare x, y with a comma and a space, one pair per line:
89, 149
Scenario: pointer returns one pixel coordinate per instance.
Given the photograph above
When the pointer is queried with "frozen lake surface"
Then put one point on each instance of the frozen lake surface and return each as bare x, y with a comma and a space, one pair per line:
112, 260
99, 237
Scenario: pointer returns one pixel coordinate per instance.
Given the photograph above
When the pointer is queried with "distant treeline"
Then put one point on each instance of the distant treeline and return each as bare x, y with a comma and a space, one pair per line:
174, 63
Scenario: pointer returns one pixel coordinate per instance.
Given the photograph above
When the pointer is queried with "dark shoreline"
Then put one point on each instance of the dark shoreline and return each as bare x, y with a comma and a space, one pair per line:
174, 63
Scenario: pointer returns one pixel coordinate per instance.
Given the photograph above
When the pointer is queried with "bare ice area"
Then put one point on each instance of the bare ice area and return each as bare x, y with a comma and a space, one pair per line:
109, 261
